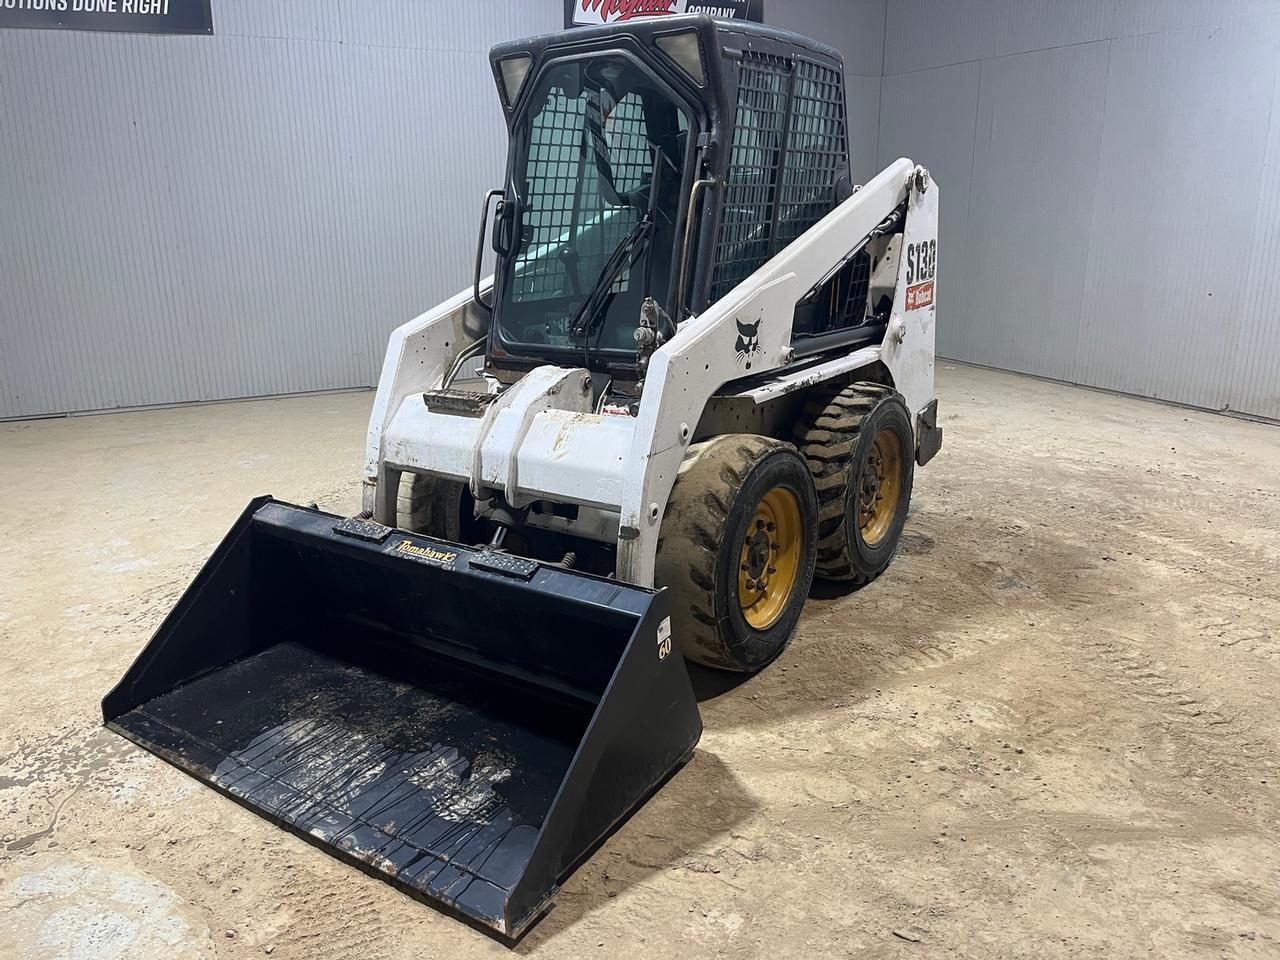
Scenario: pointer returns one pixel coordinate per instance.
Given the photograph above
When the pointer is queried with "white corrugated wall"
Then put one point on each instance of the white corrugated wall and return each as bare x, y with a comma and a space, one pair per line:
196, 218
251, 213
1110, 180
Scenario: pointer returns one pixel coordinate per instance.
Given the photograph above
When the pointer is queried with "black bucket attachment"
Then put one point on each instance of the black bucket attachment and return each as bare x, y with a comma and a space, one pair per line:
466, 724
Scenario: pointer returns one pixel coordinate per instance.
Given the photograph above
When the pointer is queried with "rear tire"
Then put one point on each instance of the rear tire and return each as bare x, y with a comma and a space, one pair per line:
860, 447
737, 550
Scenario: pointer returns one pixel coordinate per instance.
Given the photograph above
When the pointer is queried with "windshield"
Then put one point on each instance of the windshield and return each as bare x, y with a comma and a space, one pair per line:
598, 133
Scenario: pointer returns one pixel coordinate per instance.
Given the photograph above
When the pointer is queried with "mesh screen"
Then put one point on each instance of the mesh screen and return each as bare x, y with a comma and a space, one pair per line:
564, 198
855, 305
628, 145
750, 194
782, 170
816, 151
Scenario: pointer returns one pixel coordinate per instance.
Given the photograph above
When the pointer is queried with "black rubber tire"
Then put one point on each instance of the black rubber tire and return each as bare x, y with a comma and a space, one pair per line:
431, 506
715, 496
835, 435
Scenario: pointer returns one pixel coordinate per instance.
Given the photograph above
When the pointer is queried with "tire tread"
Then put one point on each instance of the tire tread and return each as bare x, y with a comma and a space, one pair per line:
827, 436
694, 529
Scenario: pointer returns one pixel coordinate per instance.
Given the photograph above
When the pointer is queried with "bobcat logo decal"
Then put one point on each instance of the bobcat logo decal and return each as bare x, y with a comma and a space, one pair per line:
748, 342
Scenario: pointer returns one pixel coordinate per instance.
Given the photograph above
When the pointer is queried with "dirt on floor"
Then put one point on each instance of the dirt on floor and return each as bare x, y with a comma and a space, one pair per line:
1050, 730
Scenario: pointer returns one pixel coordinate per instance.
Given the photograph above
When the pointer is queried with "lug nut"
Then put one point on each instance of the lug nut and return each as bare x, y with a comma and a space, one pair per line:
751, 584
772, 570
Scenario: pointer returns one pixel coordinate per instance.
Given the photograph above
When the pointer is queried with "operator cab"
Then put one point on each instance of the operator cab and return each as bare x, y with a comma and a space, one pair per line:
653, 166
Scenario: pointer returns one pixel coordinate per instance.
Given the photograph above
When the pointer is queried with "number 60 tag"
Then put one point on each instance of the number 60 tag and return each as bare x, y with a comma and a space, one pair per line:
664, 638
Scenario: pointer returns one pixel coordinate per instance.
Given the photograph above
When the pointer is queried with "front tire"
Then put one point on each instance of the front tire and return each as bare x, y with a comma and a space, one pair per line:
737, 550
433, 506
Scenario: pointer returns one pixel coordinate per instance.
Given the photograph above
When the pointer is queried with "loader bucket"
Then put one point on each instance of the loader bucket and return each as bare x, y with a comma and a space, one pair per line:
465, 724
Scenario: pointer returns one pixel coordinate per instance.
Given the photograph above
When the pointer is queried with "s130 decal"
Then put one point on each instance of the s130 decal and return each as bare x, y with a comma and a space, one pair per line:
922, 269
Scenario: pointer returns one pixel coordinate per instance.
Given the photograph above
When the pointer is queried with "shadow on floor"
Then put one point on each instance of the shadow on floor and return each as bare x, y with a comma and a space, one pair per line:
677, 826
955, 583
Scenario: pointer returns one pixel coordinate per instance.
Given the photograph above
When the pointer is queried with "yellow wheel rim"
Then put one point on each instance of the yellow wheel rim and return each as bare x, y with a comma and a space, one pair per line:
881, 489
769, 564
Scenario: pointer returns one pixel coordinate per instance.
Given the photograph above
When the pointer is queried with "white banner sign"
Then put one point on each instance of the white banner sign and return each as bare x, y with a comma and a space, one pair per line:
585, 12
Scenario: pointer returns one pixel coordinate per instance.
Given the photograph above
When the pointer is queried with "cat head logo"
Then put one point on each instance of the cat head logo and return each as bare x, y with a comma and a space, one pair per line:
748, 342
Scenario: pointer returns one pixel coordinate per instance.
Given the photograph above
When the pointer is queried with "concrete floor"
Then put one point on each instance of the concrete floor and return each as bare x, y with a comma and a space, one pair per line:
1051, 730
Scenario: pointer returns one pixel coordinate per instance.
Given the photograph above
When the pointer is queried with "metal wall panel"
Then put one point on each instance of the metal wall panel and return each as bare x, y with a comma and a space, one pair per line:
440, 24
920, 34
1134, 17
1119, 225
1035, 162
863, 96
292, 19
1256, 381
930, 116
855, 27
195, 218
1186, 125
1019, 26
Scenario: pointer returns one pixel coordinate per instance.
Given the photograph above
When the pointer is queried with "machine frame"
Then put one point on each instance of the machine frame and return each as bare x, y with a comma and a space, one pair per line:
541, 438
543, 430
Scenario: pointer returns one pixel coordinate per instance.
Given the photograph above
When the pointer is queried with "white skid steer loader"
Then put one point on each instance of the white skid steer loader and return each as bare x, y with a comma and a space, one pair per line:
700, 375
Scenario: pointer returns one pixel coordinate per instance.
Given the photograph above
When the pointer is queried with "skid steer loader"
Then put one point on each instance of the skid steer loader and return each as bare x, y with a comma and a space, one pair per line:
700, 375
